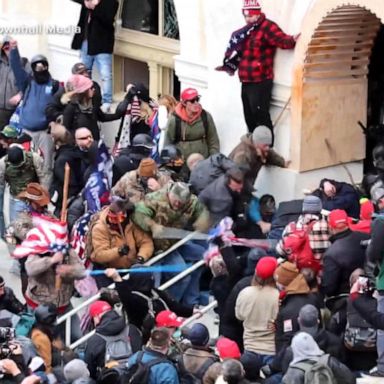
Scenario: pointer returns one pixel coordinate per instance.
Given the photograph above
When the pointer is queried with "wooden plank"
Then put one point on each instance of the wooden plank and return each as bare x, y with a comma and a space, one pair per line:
345, 36
338, 25
331, 59
367, 17
351, 62
355, 29
327, 47
337, 74
349, 53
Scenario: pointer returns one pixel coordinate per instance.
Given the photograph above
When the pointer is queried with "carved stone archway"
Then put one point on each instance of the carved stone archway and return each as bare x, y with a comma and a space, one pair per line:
329, 89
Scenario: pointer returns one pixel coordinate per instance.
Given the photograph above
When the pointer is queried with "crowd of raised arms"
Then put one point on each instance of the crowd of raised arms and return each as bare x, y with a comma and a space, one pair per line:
298, 286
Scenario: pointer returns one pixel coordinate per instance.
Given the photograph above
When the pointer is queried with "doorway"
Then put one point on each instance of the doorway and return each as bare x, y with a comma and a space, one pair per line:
375, 110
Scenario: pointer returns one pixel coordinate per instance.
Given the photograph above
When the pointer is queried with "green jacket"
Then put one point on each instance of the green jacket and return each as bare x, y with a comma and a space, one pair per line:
156, 208
18, 177
193, 137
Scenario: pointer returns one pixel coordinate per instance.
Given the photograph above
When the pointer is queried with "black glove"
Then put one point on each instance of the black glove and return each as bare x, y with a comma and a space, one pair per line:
123, 250
140, 259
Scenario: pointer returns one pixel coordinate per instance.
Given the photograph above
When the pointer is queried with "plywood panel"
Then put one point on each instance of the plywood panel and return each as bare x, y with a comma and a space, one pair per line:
331, 111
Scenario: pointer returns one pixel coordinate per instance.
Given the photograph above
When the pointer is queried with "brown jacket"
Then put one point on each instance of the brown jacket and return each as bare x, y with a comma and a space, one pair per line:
245, 155
194, 358
106, 243
42, 277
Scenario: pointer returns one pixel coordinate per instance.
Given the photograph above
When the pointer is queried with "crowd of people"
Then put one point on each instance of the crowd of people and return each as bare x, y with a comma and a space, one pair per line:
299, 286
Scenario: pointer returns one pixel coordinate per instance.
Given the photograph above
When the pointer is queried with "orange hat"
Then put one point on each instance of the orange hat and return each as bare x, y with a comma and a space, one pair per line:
147, 168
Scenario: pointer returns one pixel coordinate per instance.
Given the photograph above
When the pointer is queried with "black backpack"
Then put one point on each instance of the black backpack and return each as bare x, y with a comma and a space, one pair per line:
138, 373
197, 377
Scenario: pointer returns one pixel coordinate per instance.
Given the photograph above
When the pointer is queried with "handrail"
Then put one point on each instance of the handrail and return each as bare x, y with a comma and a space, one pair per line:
161, 288
67, 317
112, 286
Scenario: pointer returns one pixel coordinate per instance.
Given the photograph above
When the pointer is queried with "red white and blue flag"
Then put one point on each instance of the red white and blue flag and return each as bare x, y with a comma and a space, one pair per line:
48, 235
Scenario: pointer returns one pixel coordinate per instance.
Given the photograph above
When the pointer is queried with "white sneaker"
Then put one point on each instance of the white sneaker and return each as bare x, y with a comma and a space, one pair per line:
106, 107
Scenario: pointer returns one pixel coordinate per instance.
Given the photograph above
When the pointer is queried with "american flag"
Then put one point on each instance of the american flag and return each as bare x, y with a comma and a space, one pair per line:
78, 236
48, 235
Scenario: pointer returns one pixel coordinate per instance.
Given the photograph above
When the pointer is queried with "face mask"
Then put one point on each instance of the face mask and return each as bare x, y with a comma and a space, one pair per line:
41, 77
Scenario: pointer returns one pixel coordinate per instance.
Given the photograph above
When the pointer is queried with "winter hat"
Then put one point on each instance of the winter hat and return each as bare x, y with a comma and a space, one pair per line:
285, 273
168, 319
312, 204
198, 335
251, 4
99, 307
142, 92
2, 282
308, 319
266, 267
377, 192
75, 369
79, 69
80, 83
262, 135
147, 168
338, 218
35, 193
180, 190
235, 173
9, 132
15, 155
304, 347
251, 8
189, 94
227, 349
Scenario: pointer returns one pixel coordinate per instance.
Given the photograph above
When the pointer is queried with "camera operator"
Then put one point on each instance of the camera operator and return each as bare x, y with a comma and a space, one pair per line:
12, 367
8, 299
375, 253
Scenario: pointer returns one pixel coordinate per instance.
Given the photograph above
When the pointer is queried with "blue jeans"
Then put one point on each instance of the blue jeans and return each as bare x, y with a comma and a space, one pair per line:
252, 362
380, 337
16, 206
186, 290
103, 63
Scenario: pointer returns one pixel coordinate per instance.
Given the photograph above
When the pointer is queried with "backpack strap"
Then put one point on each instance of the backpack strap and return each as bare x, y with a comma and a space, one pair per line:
204, 368
204, 118
177, 129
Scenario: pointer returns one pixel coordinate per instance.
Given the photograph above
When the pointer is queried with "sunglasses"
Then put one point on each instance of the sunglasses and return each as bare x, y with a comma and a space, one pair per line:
195, 100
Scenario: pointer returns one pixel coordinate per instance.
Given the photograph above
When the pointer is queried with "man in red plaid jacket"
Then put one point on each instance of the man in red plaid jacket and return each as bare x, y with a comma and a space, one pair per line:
251, 50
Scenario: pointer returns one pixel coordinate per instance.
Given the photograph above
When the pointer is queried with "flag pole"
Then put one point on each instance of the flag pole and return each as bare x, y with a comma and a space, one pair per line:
64, 211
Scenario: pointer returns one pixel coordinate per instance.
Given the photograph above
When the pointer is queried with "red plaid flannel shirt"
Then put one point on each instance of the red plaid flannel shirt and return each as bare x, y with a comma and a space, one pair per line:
259, 50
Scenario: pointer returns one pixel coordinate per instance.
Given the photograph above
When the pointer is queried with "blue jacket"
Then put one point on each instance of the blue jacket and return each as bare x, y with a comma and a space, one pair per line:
162, 373
36, 96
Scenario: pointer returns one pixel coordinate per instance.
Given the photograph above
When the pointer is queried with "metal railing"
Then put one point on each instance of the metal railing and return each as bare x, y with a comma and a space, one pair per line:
67, 317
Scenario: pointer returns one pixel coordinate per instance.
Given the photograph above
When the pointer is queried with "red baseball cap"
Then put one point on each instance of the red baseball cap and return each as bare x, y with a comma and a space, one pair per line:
189, 94
266, 267
227, 349
99, 307
168, 319
338, 218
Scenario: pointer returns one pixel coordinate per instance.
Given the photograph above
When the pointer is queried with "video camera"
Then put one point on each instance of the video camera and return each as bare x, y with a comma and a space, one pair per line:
6, 335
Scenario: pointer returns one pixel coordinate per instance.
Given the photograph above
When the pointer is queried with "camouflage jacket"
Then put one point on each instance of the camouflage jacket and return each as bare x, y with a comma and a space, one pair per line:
130, 186
156, 208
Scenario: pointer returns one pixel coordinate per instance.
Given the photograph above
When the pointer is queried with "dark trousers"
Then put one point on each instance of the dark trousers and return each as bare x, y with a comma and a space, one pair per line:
5, 115
256, 99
